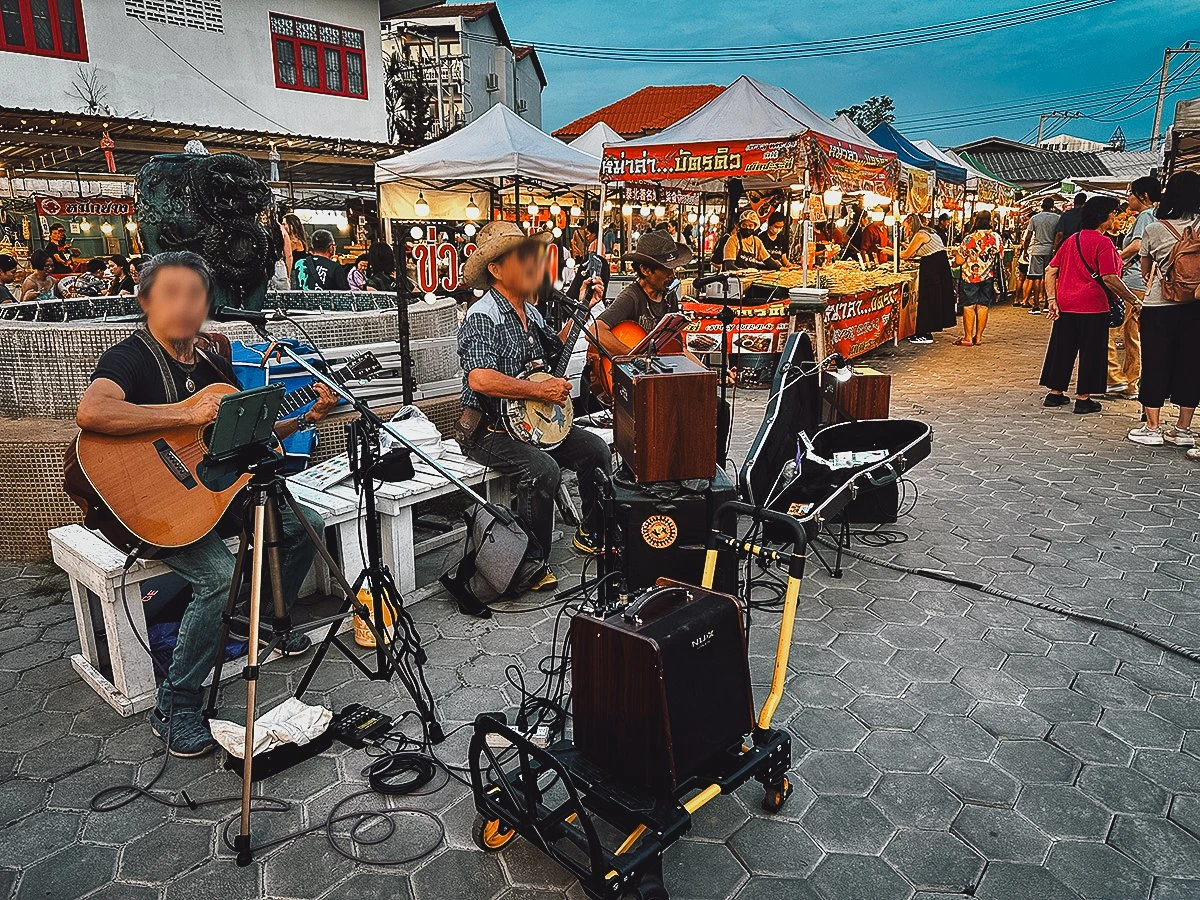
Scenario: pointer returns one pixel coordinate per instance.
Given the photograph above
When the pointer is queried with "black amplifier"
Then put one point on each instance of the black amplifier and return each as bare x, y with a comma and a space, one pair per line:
664, 528
662, 690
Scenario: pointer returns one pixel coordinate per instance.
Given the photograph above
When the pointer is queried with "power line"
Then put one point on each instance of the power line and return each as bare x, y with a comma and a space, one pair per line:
830, 46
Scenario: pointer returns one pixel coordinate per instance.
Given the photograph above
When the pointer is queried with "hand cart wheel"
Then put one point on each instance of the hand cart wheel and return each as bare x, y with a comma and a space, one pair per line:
491, 835
650, 888
776, 795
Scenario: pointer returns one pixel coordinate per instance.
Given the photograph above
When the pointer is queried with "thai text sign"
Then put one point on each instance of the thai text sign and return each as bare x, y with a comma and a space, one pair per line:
84, 206
858, 323
757, 329
776, 158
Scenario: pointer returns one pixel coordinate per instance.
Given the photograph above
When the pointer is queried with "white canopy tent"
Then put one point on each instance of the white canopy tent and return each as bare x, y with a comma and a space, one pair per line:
593, 140
474, 160
847, 125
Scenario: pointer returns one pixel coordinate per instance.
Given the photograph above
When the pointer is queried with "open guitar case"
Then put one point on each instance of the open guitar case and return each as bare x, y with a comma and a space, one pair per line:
785, 475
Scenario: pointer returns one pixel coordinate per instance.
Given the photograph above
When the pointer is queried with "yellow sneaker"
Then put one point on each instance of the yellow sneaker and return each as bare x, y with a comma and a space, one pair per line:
546, 580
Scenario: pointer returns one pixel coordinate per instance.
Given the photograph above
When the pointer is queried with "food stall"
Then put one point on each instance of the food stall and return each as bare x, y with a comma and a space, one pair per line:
785, 157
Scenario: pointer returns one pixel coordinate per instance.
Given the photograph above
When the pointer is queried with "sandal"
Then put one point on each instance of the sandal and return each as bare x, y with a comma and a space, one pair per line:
977, 342
962, 342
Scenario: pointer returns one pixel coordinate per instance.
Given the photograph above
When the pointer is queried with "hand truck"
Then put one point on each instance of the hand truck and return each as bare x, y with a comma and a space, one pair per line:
574, 812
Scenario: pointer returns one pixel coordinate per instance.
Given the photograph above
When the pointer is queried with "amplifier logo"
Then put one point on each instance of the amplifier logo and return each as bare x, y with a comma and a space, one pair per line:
659, 532
699, 643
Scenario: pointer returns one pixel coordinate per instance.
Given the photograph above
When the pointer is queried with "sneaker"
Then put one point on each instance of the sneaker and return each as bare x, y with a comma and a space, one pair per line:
1053, 400
186, 733
585, 542
297, 643
1083, 407
920, 340
1151, 437
1035, 311
545, 580
1180, 437
294, 643
1117, 388
1194, 453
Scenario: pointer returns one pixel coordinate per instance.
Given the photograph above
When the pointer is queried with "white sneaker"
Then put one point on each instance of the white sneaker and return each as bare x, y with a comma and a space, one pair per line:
1151, 437
1180, 437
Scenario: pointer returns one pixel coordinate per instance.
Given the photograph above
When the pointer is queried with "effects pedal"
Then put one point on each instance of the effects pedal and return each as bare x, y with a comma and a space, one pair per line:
357, 725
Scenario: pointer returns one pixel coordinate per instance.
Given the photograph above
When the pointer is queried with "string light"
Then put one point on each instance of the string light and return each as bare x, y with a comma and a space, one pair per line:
660, 210
131, 227
555, 207
692, 217
832, 196
472, 209
532, 209
85, 225
576, 211
421, 207
644, 211
106, 227
627, 210
714, 219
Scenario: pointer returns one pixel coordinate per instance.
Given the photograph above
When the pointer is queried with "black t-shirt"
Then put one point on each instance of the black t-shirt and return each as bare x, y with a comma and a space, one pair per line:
316, 273
56, 251
777, 246
133, 366
6, 296
1069, 222
632, 305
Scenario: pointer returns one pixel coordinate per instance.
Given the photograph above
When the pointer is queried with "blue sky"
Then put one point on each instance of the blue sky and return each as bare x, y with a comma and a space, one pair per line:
1112, 46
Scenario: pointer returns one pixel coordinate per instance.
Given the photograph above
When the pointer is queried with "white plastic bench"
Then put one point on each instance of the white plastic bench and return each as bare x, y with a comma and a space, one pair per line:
112, 659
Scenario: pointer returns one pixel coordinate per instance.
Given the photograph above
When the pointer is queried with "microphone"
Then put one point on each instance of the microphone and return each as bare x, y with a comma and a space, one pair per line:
701, 283
254, 317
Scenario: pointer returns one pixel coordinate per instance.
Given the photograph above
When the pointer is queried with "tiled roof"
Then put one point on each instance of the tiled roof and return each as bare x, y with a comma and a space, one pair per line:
520, 51
469, 11
1033, 166
1130, 164
649, 110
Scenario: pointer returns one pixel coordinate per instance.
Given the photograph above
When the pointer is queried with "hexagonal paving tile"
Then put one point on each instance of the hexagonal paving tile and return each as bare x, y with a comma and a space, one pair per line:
838, 772
458, 873
775, 847
1063, 811
842, 875
1036, 761
847, 825
1097, 871
701, 869
1160, 846
1001, 834
934, 860
900, 751
1007, 881
919, 801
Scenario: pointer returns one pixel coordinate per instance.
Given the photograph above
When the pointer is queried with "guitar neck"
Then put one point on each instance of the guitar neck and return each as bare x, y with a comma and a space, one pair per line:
568, 346
303, 396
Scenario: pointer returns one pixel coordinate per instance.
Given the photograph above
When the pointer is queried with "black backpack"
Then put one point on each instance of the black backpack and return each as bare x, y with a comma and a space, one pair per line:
499, 560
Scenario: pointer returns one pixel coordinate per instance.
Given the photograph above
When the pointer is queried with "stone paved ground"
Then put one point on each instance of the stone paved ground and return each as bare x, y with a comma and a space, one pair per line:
947, 744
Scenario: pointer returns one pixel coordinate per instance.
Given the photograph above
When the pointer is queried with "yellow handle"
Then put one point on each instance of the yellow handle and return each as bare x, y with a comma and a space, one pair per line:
710, 569
790, 601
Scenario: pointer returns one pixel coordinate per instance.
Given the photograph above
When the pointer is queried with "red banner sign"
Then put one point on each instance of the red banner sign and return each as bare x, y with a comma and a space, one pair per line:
950, 196
852, 168
757, 329
858, 323
776, 159
84, 206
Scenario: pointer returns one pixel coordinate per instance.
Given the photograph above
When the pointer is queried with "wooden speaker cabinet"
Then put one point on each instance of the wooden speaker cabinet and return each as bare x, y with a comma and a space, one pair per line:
867, 395
660, 691
665, 417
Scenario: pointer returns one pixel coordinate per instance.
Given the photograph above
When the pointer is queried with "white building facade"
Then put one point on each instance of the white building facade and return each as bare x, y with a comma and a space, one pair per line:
464, 54
293, 66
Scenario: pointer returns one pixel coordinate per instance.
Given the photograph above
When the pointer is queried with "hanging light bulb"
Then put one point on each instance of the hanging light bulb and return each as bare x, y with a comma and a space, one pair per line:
555, 207
608, 205
576, 211
627, 210
692, 217
660, 210
532, 209
131, 227
85, 225
636, 235
343, 226
472, 209
889, 220
714, 219
556, 231
421, 207
644, 211
415, 233
832, 196
469, 230
106, 227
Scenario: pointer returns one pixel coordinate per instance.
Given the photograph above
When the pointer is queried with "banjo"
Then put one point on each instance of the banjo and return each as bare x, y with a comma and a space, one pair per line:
540, 422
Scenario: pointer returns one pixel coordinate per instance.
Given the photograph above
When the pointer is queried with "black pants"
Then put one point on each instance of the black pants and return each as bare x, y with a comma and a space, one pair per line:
1078, 334
1170, 342
538, 473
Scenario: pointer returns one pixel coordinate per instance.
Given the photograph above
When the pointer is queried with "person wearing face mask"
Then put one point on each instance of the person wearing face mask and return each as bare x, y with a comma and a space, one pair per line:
744, 249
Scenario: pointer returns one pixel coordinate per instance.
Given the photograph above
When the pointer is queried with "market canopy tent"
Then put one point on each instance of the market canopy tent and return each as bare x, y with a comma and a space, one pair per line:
498, 145
593, 140
986, 187
912, 155
755, 131
1183, 139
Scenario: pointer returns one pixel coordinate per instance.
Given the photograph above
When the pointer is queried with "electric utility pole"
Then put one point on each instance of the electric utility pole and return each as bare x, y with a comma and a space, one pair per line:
1051, 115
1155, 132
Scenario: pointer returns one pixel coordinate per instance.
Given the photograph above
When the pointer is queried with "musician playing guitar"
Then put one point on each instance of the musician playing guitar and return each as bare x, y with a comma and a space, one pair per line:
167, 361
502, 334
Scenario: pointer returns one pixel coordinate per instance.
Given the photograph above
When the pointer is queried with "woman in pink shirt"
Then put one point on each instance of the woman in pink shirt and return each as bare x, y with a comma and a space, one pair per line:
1078, 305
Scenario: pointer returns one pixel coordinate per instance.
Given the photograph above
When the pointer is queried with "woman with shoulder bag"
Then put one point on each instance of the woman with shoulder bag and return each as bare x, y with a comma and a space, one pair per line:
1081, 281
1170, 317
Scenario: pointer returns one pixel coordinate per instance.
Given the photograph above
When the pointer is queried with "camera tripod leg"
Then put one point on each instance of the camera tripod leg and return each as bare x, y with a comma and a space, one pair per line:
250, 673
281, 626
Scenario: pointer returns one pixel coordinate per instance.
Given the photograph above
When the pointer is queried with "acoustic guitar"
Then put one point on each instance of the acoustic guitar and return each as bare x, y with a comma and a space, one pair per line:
628, 333
156, 483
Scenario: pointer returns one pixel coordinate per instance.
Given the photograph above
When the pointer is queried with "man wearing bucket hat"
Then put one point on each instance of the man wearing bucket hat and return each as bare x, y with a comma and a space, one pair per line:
502, 334
654, 260
745, 249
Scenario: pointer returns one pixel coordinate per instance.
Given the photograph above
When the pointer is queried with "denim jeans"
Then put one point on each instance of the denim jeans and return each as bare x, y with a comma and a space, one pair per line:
207, 566
538, 473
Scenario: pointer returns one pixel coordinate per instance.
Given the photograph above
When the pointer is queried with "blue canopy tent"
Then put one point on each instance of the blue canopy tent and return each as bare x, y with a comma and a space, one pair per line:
912, 155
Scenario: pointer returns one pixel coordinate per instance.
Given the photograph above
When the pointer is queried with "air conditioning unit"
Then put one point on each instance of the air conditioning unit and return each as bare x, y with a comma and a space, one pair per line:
493, 82
522, 106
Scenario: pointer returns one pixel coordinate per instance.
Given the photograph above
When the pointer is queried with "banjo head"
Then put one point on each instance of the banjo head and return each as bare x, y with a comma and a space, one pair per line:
538, 422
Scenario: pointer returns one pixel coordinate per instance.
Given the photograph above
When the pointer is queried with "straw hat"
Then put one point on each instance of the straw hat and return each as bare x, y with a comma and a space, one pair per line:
658, 249
493, 241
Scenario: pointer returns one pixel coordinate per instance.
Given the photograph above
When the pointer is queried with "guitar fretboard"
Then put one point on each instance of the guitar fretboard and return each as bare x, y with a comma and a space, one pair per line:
303, 396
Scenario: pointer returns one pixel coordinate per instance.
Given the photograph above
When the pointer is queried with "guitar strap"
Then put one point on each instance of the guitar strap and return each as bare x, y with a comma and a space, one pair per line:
160, 357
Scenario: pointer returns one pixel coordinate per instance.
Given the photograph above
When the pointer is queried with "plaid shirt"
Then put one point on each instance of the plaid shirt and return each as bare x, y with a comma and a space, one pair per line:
492, 337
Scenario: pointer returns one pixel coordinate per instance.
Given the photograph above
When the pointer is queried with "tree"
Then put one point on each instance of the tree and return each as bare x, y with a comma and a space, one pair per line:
870, 113
408, 100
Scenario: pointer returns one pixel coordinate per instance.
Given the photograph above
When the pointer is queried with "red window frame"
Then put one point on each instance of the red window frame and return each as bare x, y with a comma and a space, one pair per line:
57, 51
293, 44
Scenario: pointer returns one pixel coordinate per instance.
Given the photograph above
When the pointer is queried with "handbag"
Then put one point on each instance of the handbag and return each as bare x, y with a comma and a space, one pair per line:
1116, 306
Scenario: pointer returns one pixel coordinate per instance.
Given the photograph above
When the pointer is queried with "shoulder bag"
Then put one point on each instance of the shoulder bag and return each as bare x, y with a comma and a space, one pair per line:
1116, 306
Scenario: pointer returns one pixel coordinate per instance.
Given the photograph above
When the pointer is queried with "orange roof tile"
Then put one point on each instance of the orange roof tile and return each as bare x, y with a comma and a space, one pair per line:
646, 111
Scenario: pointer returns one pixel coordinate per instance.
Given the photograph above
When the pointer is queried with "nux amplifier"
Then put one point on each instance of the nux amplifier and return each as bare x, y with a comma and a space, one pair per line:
663, 688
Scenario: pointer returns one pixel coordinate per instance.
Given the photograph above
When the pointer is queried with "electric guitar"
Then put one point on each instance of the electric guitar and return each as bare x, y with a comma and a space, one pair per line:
155, 483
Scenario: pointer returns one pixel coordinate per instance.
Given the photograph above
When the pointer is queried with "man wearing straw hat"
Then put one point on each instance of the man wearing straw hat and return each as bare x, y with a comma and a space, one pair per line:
502, 334
645, 301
